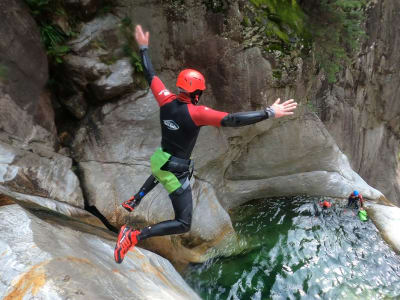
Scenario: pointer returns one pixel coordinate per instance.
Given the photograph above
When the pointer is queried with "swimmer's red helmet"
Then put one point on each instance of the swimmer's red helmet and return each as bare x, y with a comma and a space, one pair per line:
191, 80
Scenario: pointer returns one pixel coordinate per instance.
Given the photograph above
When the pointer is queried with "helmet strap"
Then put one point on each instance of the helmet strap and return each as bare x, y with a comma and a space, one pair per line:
195, 96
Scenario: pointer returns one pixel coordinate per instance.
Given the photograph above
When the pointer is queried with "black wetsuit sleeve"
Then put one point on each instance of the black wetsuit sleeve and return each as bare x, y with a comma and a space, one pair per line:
147, 66
246, 118
149, 184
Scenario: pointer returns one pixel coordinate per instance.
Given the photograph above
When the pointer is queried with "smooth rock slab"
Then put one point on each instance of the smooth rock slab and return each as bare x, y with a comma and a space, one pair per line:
387, 220
39, 260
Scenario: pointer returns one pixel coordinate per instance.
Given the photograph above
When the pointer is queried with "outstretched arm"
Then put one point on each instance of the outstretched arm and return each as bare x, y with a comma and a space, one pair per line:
149, 184
277, 110
203, 116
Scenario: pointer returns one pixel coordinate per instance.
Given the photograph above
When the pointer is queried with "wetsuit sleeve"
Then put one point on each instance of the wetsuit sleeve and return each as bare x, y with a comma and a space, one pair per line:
147, 65
203, 115
246, 118
162, 95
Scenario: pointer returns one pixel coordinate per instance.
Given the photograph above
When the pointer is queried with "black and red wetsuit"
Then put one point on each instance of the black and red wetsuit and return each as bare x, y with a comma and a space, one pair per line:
181, 121
353, 201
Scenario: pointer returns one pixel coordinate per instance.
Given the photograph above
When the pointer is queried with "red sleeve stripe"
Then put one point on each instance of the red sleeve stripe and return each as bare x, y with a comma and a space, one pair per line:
162, 95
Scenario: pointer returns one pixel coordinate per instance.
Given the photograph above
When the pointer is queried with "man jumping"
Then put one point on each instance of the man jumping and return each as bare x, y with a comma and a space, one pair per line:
181, 119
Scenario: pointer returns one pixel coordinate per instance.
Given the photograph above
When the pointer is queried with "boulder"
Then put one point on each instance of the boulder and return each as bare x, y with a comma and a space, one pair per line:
44, 174
49, 259
118, 82
93, 36
99, 63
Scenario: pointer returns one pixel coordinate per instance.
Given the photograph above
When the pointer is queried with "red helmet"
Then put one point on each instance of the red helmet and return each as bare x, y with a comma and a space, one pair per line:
191, 80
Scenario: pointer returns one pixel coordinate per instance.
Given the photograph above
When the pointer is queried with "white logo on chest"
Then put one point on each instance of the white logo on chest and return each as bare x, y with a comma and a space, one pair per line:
171, 124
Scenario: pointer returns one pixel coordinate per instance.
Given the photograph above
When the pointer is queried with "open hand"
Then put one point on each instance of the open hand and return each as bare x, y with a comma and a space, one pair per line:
141, 38
284, 109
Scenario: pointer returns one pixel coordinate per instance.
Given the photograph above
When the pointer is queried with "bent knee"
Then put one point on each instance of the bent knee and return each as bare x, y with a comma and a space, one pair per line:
184, 226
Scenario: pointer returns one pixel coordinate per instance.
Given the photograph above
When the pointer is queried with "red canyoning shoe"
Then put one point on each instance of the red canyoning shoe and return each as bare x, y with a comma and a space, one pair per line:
130, 204
127, 239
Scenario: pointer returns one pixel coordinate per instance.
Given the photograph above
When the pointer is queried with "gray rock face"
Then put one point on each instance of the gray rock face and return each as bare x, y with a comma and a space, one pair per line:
29, 167
98, 64
40, 260
299, 157
47, 176
117, 83
26, 112
362, 111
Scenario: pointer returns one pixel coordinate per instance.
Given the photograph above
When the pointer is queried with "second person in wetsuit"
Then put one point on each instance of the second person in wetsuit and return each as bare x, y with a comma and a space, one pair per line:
181, 119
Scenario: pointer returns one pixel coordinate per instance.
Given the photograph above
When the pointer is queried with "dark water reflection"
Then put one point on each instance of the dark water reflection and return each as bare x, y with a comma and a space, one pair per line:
290, 253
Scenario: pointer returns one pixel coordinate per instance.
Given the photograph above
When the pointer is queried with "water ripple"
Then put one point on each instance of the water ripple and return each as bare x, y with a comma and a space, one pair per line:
295, 252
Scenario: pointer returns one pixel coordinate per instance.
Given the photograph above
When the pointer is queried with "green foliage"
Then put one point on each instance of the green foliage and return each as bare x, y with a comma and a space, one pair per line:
337, 32
3, 72
282, 23
52, 36
331, 28
126, 28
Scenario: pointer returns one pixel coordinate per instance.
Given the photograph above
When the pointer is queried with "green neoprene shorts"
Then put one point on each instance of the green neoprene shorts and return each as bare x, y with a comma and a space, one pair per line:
166, 178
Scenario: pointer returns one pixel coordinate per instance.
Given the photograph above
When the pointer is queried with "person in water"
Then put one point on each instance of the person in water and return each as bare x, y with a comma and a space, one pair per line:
354, 198
325, 204
181, 119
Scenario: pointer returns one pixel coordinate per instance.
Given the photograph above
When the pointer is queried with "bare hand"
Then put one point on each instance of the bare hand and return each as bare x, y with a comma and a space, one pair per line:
284, 109
141, 38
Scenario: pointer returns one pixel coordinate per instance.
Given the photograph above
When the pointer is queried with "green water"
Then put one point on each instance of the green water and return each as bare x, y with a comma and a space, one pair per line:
292, 253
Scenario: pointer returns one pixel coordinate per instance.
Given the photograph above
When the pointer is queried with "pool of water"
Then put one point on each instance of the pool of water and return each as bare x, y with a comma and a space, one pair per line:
290, 251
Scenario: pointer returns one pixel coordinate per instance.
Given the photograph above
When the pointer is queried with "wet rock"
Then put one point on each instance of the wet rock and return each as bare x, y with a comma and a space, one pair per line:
67, 260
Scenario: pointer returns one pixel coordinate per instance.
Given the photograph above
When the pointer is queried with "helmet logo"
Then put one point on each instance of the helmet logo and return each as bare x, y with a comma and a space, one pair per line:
171, 125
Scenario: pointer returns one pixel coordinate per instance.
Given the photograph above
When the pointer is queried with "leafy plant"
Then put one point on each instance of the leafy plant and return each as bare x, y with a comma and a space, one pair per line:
337, 32
3, 72
126, 28
53, 37
281, 23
